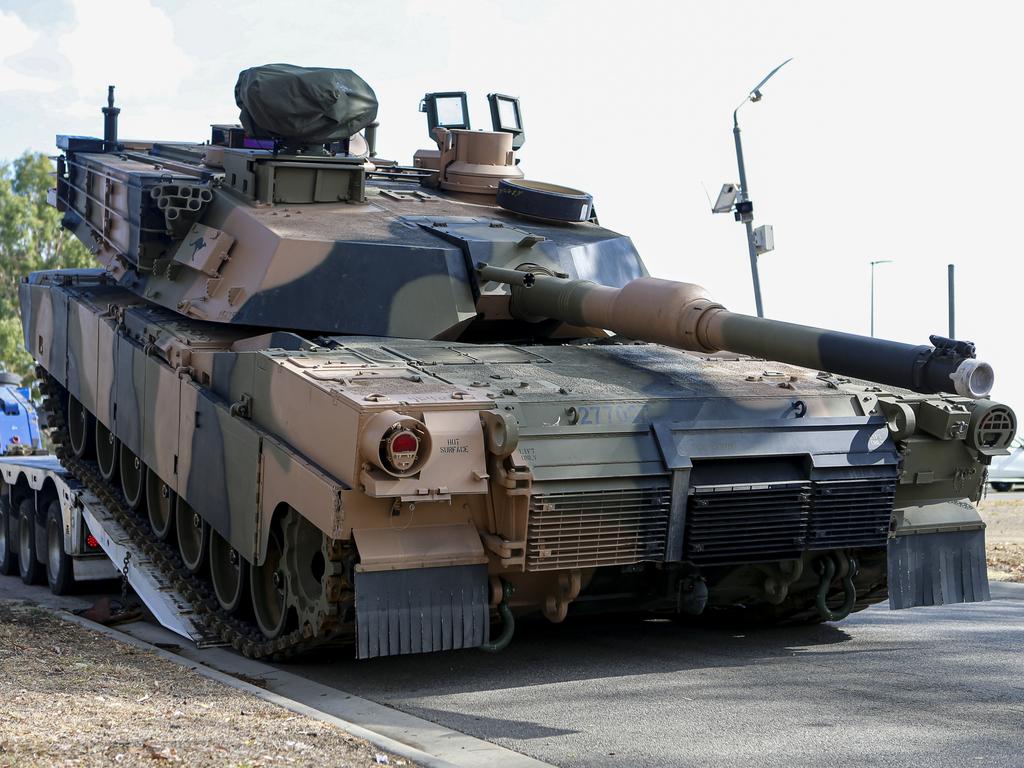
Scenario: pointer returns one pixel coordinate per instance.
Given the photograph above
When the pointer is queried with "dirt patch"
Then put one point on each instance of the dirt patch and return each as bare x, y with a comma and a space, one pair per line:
1004, 537
70, 696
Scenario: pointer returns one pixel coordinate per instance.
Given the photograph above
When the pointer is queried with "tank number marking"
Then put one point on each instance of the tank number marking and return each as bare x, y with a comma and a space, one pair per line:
605, 414
454, 445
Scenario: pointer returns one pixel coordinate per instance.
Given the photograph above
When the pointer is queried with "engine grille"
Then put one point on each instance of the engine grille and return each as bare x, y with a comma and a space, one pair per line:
593, 528
729, 524
747, 523
851, 513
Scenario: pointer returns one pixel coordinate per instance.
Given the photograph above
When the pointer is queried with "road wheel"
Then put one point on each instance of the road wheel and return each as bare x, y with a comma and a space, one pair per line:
107, 448
133, 477
59, 568
31, 569
269, 586
305, 564
160, 501
80, 428
193, 533
229, 574
1001, 487
8, 539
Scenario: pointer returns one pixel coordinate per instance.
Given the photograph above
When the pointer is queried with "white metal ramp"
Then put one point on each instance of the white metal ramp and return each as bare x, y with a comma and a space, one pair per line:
78, 503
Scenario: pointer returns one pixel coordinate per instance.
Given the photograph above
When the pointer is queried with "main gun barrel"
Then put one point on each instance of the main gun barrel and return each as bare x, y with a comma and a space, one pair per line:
684, 316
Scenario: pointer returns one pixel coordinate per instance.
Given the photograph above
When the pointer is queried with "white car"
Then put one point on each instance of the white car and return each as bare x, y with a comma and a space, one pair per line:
1007, 471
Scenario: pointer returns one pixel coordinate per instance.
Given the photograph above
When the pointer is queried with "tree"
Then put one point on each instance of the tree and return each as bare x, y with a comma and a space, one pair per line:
31, 238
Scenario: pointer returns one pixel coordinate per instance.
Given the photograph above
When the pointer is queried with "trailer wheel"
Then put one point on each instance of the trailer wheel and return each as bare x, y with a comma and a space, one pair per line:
59, 569
31, 569
8, 555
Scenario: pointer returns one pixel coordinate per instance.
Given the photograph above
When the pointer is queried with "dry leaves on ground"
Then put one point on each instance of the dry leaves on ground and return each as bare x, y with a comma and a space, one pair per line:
70, 696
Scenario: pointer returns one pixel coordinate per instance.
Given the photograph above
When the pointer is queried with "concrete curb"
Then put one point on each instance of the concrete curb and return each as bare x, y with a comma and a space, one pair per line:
379, 740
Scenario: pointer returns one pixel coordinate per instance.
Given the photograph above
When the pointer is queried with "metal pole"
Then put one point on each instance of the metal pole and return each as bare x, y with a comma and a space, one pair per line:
748, 224
951, 278
872, 299
744, 194
873, 265
753, 268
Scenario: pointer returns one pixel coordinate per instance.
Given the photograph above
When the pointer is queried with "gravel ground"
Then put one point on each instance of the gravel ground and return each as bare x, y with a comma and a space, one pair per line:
1004, 537
70, 696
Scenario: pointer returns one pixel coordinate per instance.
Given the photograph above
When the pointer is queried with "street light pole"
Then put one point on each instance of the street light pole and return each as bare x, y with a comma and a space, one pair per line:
951, 279
744, 208
748, 221
873, 265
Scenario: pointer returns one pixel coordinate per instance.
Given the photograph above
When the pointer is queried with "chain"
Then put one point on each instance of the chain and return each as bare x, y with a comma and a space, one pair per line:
124, 580
240, 635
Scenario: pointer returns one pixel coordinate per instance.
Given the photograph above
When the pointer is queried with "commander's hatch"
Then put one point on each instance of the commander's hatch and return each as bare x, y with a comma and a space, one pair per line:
450, 110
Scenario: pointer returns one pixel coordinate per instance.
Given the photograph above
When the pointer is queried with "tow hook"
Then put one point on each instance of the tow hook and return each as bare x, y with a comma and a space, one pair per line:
826, 567
508, 621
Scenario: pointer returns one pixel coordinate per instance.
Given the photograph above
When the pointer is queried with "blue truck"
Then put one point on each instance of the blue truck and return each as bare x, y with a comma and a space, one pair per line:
19, 423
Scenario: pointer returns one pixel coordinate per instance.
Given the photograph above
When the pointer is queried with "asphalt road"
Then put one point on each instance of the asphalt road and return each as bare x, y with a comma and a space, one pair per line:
926, 687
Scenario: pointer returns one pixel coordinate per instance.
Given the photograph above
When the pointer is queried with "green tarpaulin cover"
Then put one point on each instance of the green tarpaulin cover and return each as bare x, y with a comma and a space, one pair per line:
307, 104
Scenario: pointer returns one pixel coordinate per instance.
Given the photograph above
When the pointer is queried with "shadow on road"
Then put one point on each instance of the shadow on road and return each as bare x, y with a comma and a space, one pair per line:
583, 648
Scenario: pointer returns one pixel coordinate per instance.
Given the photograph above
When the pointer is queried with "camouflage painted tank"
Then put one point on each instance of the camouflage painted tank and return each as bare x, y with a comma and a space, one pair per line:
353, 399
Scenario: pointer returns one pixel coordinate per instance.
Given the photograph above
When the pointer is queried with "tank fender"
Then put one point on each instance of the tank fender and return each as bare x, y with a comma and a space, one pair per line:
286, 478
44, 315
425, 546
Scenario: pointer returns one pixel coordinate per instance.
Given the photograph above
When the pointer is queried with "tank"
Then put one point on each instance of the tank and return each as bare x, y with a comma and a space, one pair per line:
397, 407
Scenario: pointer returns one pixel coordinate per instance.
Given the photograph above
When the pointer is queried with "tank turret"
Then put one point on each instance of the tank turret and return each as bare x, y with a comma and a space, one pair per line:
683, 315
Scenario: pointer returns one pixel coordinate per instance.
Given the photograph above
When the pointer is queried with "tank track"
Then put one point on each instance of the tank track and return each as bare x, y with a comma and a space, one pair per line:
240, 635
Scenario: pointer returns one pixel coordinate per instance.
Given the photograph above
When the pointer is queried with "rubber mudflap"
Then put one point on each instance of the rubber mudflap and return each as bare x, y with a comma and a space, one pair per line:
938, 568
421, 609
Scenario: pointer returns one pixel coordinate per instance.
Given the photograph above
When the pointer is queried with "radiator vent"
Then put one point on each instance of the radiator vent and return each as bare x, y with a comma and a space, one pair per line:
592, 528
747, 523
732, 524
851, 513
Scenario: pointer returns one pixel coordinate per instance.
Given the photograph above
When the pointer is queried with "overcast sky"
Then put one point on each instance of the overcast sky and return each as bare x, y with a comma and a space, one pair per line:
890, 136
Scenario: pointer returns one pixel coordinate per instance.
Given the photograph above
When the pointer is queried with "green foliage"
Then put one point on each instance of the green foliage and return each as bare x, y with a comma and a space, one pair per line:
31, 238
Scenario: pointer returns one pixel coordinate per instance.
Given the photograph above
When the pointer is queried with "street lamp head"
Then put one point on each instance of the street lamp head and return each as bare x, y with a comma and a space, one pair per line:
755, 94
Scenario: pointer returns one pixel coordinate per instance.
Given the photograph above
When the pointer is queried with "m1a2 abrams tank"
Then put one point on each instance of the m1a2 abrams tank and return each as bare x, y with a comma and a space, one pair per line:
344, 398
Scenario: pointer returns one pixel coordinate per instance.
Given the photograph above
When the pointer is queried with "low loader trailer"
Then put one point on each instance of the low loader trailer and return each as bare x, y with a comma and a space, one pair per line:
53, 528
